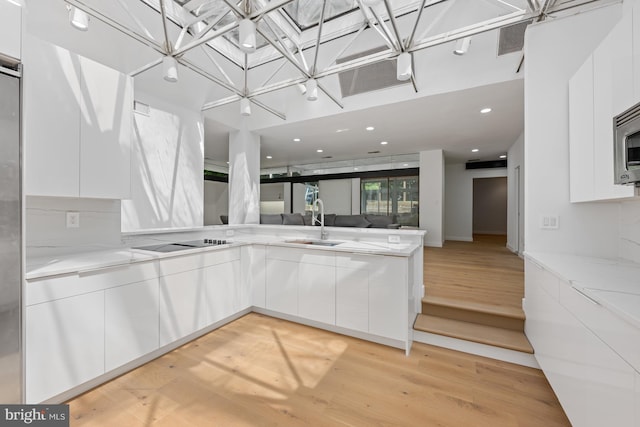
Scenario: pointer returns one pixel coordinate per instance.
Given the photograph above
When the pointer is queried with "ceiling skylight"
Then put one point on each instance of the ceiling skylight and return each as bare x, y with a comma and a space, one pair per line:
306, 13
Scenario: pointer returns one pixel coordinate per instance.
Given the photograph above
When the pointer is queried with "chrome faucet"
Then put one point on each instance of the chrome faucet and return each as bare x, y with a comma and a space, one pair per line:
323, 234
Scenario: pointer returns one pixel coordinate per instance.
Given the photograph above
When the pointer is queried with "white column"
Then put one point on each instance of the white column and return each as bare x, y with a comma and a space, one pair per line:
432, 196
244, 177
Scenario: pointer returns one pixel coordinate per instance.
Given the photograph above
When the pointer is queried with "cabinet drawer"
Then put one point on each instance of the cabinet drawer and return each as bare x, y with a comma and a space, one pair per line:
617, 333
195, 261
48, 289
536, 276
310, 256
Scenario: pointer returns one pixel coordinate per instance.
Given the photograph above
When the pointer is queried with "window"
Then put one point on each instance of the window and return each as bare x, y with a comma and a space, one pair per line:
397, 196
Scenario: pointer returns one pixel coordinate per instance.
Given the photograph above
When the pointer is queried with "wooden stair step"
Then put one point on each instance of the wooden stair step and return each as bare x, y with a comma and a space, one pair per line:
478, 307
497, 337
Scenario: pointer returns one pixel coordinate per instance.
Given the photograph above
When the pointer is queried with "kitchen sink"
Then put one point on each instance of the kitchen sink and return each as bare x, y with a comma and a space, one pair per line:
313, 242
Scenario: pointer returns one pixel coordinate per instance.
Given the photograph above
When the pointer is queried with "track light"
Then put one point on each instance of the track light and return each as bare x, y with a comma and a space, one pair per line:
462, 46
79, 19
302, 88
312, 89
404, 66
170, 69
245, 106
247, 35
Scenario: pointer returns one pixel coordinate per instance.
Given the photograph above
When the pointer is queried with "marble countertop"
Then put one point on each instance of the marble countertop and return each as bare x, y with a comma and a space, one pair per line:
613, 283
37, 268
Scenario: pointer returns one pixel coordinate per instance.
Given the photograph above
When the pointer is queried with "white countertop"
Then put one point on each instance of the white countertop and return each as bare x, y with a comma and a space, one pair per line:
613, 283
41, 267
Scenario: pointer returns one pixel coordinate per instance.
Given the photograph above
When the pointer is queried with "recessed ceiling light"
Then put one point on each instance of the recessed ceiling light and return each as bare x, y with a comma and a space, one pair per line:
405, 164
296, 139
485, 110
384, 143
342, 130
355, 169
475, 150
370, 128
269, 157
504, 156
319, 150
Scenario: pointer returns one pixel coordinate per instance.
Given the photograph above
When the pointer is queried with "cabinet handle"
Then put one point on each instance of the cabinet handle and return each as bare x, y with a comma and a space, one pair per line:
591, 300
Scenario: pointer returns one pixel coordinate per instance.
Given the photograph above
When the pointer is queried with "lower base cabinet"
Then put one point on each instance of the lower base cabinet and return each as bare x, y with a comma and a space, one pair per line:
317, 292
64, 344
131, 322
352, 297
223, 292
282, 286
593, 383
183, 308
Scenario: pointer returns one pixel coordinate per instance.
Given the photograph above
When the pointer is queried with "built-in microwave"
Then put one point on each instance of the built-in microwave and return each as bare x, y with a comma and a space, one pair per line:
626, 149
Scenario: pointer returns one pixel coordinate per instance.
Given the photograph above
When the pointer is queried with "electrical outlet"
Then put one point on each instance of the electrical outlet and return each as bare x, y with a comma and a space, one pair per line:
230, 233
73, 219
394, 238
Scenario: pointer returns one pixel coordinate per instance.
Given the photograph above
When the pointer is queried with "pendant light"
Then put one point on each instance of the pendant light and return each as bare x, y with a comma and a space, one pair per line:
462, 46
312, 89
170, 69
404, 66
79, 19
245, 107
247, 35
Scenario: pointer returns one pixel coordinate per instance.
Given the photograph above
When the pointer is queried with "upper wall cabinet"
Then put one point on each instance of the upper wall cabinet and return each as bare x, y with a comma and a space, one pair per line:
77, 125
600, 89
10, 29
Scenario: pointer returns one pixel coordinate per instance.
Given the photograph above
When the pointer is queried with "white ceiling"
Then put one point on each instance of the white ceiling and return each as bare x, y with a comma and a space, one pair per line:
443, 114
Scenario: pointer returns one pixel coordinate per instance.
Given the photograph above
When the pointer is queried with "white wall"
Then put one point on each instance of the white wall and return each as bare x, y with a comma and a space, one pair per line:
490, 206
272, 192
46, 231
216, 201
459, 199
432, 181
630, 230
515, 196
356, 209
336, 195
167, 185
298, 202
554, 50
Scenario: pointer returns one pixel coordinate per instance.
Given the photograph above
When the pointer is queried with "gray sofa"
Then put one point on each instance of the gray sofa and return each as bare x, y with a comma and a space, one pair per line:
333, 220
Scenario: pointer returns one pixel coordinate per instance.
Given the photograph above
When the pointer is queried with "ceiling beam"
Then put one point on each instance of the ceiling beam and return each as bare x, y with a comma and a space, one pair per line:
415, 26
315, 57
206, 39
163, 14
257, 15
269, 109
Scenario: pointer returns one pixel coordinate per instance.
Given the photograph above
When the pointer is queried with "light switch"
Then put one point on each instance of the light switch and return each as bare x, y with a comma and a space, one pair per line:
394, 238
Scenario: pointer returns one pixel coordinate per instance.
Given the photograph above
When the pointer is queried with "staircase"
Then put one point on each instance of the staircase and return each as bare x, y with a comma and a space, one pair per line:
473, 293
471, 321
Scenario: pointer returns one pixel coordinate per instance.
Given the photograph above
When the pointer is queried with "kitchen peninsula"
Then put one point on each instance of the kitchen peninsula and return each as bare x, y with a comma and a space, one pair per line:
95, 315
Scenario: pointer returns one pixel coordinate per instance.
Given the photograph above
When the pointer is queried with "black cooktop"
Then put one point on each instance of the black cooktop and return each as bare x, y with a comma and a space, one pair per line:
182, 246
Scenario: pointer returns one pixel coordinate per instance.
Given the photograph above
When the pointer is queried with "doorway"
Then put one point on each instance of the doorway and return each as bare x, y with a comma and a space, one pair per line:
490, 207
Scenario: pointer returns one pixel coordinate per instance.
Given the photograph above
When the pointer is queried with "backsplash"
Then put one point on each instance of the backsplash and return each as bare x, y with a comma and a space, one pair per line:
46, 225
630, 231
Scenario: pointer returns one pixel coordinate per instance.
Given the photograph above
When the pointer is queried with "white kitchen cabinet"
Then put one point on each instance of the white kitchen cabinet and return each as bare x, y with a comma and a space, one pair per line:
131, 322
10, 29
183, 306
352, 293
51, 95
317, 292
223, 290
594, 384
64, 344
282, 286
581, 161
637, 400
254, 274
388, 296
106, 115
600, 89
78, 125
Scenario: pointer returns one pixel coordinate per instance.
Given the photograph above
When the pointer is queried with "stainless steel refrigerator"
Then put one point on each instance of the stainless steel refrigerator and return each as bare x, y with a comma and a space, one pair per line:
10, 239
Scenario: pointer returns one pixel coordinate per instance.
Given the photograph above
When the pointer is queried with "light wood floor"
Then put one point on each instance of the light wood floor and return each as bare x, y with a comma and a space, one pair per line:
482, 271
260, 371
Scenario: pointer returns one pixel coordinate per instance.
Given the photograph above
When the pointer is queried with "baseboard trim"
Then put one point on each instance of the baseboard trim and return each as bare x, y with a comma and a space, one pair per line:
459, 238
484, 350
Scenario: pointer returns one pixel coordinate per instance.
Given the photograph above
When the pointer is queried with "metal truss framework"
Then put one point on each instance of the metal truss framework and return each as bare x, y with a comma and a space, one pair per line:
202, 34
